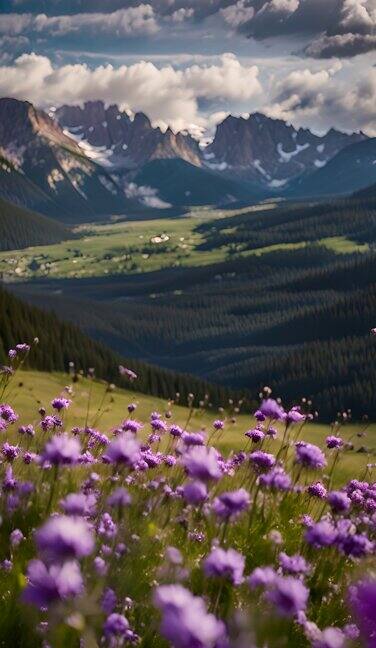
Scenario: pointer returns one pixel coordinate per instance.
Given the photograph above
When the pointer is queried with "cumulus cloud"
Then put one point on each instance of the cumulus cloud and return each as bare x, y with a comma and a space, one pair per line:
123, 22
237, 14
351, 34
182, 14
341, 45
315, 99
168, 95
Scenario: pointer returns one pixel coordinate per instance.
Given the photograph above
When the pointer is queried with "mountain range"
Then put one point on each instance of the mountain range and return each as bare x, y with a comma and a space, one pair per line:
84, 163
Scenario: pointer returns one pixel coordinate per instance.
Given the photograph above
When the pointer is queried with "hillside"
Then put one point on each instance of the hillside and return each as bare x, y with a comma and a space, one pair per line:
78, 189
61, 343
20, 228
351, 170
181, 183
287, 297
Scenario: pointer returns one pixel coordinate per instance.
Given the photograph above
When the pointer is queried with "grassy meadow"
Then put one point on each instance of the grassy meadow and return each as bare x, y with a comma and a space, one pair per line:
141, 246
34, 389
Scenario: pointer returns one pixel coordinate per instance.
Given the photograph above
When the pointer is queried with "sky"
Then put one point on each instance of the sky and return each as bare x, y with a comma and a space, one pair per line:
189, 63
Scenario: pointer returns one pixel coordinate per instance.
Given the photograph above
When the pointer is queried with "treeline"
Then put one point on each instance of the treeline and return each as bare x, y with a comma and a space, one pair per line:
297, 319
21, 228
354, 218
61, 343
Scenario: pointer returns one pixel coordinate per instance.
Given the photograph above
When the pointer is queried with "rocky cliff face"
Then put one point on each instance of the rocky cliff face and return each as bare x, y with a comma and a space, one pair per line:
54, 163
124, 140
270, 150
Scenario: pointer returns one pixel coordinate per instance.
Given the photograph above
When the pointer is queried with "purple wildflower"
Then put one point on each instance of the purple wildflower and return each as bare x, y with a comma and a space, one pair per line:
193, 438
330, 638
289, 595
262, 461
107, 526
230, 504
202, 463
317, 490
255, 435
339, 501
10, 452
8, 414
185, 620
228, 564
109, 600
309, 455
362, 598
60, 403
46, 585
293, 564
262, 577
63, 538
120, 498
116, 625
125, 449
176, 431
276, 479
61, 450
321, 534
270, 408
195, 492
78, 504
334, 442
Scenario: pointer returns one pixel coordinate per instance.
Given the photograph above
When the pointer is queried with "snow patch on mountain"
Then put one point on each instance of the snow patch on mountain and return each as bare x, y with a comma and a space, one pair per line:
286, 156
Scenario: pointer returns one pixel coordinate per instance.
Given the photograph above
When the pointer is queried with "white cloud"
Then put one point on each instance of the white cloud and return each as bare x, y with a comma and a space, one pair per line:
182, 14
167, 95
237, 14
124, 22
358, 16
318, 100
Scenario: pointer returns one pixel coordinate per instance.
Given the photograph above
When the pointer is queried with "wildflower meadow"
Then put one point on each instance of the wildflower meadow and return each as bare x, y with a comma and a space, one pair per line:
150, 534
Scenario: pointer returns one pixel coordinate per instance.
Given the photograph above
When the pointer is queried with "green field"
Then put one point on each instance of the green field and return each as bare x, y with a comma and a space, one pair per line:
139, 246
105, 410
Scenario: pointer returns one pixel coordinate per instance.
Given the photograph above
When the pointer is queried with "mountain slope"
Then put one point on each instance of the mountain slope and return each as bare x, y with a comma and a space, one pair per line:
351, 170
179, 183
271, 151
20, 228
36, 146
121, 140
61, 343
